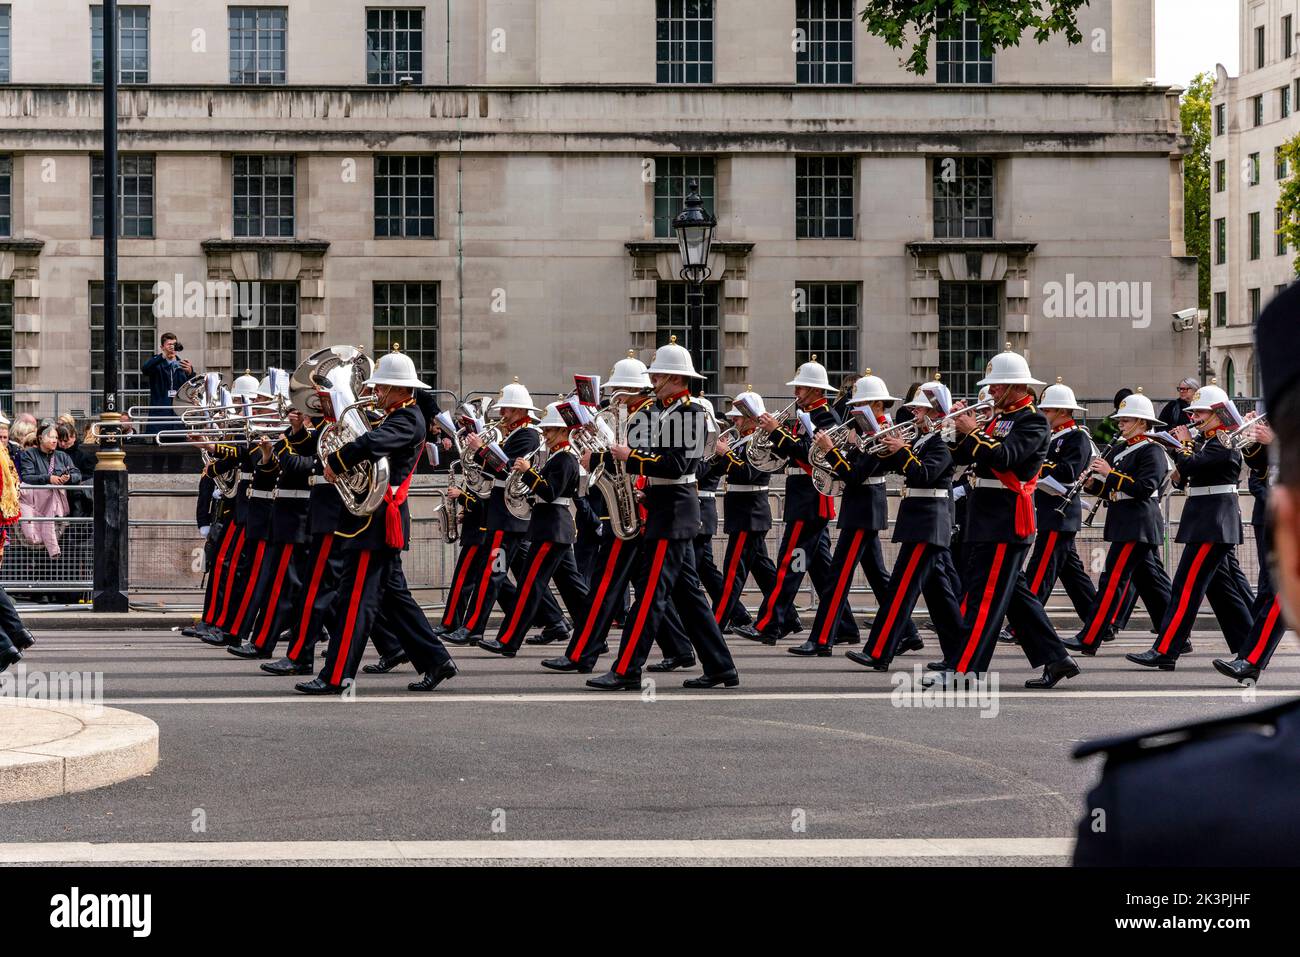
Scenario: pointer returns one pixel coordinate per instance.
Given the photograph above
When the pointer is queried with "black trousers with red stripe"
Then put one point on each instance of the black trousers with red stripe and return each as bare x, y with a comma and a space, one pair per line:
285, 602
1205, 570
1133, 570
547, 562
714, 583
855, 547
489, 574
235, 606
371, 580
277, 559
1269, 624
996, 588
1055, 557
746, 552
461, 590
325, 562
664, 574
805, 547
612, 568
254, 595
217, 608
922, 569
548, 613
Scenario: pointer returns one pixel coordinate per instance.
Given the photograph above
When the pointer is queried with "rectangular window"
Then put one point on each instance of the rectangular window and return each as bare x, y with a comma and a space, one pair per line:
257, 44
1220, 308
1279, 163
672, 173
696, 328
824, 41
138, 331
5, 34
970, 332
407, 313
1279, 219
1254, 236
1284, 101
135, 182
1257, 110
1255, 301
6, 194
826, 325
963, 197
1220, 241
265, 327
406, 196
264, 196
1254, 169
1220, 175
132, 44
1221, 118
394, 46
1259, 48
684, 41
1288, 38
823, 200
961, 57
7, 341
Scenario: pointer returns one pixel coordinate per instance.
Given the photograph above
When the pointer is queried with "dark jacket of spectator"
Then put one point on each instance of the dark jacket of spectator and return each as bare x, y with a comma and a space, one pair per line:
34, 466
1175, 413
84, 458
165, 377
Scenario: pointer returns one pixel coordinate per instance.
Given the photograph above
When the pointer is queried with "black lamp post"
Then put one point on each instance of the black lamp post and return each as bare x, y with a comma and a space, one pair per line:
110, 484
694, 227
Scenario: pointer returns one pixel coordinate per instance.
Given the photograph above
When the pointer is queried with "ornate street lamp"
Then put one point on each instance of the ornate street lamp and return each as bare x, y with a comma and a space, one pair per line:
694, 227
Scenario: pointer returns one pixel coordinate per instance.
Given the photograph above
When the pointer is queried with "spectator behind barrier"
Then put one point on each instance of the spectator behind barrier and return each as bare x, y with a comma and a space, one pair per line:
45, 465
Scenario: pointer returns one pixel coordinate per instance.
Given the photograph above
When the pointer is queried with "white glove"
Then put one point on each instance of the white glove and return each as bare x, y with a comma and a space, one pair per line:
203, 531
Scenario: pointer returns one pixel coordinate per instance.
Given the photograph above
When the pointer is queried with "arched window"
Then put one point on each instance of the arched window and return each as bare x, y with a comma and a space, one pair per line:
1230, 377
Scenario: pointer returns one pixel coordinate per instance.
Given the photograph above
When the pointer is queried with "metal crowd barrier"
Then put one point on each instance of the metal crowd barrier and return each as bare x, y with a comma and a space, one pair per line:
51, 557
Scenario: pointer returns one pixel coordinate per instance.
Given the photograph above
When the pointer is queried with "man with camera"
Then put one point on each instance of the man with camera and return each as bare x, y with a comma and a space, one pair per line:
166, 373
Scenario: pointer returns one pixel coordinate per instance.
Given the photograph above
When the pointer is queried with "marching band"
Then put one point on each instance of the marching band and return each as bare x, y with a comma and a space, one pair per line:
611, 495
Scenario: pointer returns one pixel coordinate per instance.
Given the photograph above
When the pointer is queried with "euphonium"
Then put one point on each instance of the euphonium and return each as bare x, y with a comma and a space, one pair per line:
824, 479
477, 480
361, 487
759, 451
730, 436
518, 495
907, 431
615, 485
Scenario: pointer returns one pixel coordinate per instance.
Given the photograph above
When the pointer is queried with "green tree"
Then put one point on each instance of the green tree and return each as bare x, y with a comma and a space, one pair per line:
1289, 201
1195, 111
1002, 23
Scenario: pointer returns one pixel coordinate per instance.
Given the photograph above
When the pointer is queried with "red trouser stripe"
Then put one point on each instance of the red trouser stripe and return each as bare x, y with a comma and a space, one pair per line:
1119, 605
737, 547
832, 617
1116, 573
1269, 624
354, 603
1043, 563
990, 590
593, 612
1166, 638
466, 560
248, 593
230, 578
483, 583
769, 606
521, 596
214, 586
322, 559
268, 615
646, 599
900, 590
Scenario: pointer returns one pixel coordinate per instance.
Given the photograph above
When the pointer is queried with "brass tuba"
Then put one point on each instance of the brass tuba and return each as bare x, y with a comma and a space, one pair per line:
615, 485
759, 451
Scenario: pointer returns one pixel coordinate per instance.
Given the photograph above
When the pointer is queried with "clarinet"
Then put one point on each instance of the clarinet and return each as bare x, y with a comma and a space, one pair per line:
1076, 489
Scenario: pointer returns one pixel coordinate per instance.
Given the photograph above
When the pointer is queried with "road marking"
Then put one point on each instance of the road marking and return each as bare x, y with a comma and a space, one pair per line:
84, 852
708, 697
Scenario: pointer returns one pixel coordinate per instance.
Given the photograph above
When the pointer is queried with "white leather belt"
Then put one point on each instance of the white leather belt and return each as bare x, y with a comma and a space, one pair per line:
500, 483
708, 494
292, 493
745, 488
317, 480
680, 480
989, 483
874, 480
563, 500
261, 493
244, 476
925, 493
793, 470
1126, 497
1213, 490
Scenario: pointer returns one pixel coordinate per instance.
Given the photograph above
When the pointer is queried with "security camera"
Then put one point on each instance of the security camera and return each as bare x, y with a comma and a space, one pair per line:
1185, 320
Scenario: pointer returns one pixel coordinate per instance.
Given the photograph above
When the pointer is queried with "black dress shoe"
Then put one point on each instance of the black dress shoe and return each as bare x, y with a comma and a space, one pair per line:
214, 636
938, 666
432, 679
285, 667
1052, 675
317, 686
495, 647
914, 643
848, 639
385, 664
1238, 670
673, 663
1153, 659
460, 636
194, 630
24, 640
810, 649
566, 665
542, 638
745, 631
1006, 638
1079, 648
1187, 648
247, 650
796, 623
768, 637
439, 630
9, 656
1110, 633
613, 682
866, 661
942, 679
728, 679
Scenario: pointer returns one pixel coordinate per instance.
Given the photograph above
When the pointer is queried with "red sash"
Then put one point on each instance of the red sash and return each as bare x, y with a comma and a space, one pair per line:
1025, 518
393, 536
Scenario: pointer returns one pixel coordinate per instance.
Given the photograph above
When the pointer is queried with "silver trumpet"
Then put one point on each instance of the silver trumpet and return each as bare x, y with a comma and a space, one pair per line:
1244, 437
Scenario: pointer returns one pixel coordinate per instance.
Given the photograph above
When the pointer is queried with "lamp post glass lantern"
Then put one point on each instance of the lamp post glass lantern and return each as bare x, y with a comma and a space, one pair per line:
694, 227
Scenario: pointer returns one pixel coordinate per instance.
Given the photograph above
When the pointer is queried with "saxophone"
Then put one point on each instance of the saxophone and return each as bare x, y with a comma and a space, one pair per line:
759, 451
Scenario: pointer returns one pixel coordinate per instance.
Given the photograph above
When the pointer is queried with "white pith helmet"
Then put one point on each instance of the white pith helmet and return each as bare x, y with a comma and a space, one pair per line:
245, 387
552, 419
871, 388
515, 396
1137, 406
629, 373
395, 369
1008, 368
673, 359
984, 396
813, 375
750, 398
711, 414
932, 395
1206, 398
4, 419
1060, 397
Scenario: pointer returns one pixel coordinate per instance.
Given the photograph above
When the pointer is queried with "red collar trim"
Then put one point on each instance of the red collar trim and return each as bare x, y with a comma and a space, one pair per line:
1020, 404
562, 445
816, 405
1067, 424
684, 394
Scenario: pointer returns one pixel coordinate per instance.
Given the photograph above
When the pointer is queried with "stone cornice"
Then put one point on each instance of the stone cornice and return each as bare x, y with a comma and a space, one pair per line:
943, 247
653, 247
28, 247
305, 247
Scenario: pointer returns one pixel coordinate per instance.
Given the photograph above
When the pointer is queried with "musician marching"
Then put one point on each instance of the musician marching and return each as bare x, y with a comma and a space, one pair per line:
472, 536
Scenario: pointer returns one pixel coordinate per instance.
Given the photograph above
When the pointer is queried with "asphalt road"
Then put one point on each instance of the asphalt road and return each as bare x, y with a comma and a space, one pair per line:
805, 750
